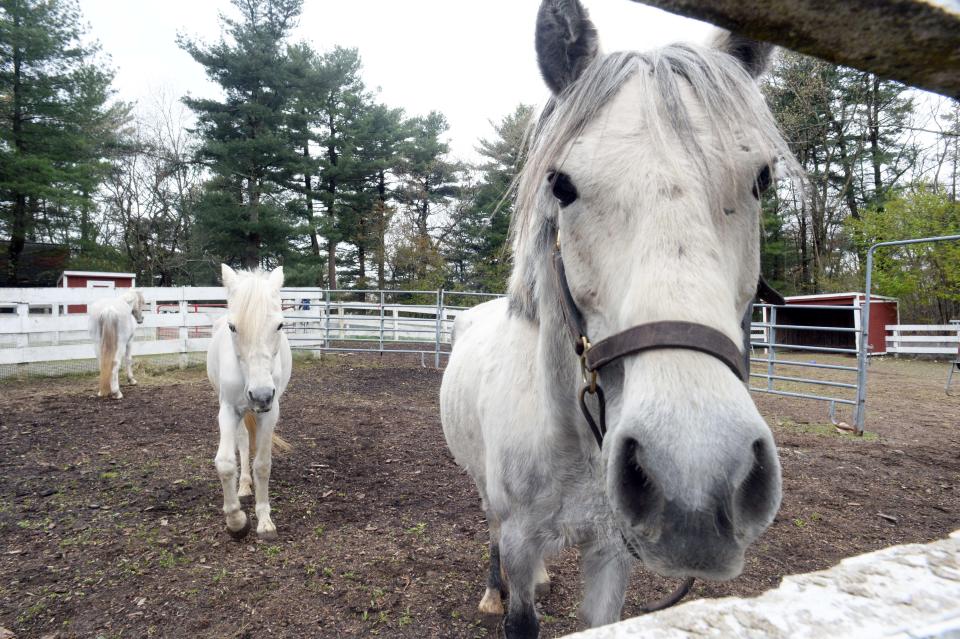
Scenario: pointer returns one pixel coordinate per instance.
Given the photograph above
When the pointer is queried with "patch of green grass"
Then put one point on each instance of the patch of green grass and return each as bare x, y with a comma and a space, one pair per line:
318, 531
272, 551
167, 559
110, 474
417, 530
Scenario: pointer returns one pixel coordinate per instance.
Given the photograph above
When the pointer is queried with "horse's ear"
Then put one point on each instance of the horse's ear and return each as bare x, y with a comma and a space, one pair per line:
566, 42
276, 278
228, 275
754, 55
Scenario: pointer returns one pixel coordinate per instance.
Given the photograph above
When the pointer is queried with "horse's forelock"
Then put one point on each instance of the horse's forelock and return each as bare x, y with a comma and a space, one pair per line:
252, 300
731, 103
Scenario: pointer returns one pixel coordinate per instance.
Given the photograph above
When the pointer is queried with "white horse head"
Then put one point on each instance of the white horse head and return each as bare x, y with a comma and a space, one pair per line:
255, 318
646, 168
134, 298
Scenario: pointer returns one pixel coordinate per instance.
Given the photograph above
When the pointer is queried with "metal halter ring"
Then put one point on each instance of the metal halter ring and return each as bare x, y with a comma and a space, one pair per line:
589, 376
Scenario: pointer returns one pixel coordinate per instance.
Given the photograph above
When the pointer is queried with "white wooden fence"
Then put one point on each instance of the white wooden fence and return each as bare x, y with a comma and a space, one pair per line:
923, 339
50, 324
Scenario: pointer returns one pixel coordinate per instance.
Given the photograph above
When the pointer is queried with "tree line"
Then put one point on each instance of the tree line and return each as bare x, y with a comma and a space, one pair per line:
298, 162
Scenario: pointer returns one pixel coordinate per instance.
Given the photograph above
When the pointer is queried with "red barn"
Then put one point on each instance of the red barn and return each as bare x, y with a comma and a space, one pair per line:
883, 311
94, 279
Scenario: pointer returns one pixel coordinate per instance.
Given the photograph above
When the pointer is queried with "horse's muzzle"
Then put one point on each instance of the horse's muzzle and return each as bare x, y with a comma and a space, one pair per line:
261, 399
699, 527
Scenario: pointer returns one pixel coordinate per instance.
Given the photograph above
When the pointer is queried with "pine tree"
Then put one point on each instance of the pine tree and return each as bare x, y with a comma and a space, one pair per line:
480, 252
56, 126
379, 140
246, 140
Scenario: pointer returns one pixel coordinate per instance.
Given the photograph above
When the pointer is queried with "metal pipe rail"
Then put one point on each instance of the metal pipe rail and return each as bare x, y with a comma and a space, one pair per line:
860, 413
771, 341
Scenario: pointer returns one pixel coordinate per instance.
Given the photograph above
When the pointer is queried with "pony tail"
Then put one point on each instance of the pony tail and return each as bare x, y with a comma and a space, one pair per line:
250, 423
280, 445
108, 349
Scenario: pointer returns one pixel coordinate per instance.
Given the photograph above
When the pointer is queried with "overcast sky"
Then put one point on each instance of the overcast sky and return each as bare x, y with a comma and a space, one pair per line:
473, 60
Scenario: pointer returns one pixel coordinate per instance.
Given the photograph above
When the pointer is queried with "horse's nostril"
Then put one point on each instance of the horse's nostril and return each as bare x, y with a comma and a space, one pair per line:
757, 496
639, 496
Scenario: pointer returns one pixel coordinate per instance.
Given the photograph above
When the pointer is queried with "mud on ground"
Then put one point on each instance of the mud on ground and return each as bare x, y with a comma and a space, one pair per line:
110, 521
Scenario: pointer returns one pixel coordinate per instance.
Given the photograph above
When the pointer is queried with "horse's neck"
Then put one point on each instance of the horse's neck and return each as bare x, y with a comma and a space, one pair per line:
560, 377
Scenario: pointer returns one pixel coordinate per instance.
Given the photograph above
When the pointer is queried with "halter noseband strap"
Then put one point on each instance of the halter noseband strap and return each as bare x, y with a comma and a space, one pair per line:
667, 334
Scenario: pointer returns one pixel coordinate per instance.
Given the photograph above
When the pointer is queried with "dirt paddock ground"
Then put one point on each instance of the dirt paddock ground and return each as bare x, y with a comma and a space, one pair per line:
110, 521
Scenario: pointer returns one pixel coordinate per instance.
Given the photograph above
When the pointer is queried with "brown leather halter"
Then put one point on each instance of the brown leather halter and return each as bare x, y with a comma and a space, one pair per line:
639, 339
642, 338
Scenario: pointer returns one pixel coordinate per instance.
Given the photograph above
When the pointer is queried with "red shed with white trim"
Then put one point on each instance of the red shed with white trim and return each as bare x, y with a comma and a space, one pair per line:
94, 279
883, 311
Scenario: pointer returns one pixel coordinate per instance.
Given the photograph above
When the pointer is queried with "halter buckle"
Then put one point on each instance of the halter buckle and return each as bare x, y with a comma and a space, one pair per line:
589, 376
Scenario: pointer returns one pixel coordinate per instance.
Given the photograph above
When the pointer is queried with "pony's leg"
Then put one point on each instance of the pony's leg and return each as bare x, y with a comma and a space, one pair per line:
245, 446
226, 462
128, 360
261, 473
115, 375
521, 555
542, 580
606, 573
491, 603
96, 349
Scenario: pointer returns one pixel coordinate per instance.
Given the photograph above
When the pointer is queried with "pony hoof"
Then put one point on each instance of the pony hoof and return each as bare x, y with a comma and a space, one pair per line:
268, 535
542, 590
117, 395
133, 382
237, 535
491, 603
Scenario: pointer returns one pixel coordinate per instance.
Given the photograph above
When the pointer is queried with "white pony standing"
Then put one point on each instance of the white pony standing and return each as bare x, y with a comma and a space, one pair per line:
636, 239
249, 364
113, 323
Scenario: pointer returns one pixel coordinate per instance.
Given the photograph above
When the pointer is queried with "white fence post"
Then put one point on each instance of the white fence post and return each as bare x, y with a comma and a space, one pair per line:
182, 332
23, 314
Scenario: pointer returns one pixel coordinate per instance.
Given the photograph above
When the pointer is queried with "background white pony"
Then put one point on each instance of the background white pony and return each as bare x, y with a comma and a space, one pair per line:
113, 323
249, 363
645, 172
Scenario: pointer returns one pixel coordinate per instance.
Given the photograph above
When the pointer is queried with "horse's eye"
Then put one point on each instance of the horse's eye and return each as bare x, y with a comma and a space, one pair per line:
762, 183
563, 189
233, 327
